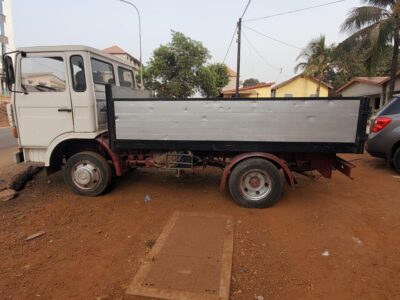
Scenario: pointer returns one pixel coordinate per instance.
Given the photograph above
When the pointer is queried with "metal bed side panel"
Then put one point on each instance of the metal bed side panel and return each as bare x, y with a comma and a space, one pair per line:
310, 121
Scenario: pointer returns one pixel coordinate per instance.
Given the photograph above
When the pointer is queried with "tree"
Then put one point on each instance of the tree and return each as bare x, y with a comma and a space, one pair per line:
348, 62
250, 82
211, 79
317, 60
178, 70
374, 27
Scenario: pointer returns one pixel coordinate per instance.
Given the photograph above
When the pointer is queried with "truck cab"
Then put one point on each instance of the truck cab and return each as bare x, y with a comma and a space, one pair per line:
59, 96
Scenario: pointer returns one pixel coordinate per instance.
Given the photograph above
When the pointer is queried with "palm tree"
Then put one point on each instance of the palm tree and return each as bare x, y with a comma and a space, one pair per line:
376, 25
316, 58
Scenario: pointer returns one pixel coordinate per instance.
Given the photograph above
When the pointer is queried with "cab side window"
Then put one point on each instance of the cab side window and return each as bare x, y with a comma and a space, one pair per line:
78, 73
43, 74
126, 78
103, 72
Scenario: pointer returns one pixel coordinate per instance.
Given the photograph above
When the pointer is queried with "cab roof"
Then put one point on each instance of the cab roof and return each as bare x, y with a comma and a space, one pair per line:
72, 48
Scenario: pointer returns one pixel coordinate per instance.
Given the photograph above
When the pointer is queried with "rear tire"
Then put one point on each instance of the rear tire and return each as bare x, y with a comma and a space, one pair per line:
87, 174
396, 160
255, 183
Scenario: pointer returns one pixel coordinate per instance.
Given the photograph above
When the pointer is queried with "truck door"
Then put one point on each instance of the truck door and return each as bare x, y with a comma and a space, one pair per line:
45, 111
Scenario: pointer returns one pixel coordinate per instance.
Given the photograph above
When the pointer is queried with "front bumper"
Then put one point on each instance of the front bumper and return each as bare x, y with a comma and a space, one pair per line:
19, 157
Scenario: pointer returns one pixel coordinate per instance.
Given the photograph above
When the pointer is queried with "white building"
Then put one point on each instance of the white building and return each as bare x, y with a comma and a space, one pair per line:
375, 89
6, 35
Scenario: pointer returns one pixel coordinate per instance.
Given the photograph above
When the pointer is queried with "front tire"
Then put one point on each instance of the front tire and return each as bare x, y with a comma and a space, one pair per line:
87, 174
255, 183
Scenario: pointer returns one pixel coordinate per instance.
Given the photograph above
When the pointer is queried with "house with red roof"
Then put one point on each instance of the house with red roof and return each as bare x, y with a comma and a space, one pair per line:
122, 54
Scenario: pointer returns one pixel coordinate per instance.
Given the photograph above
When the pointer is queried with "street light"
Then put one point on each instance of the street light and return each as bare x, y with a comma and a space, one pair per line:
140, 38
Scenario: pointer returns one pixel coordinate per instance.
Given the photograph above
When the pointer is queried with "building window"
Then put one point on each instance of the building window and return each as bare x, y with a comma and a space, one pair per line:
78, 73
43, 74
103, 73
126, 78
377, 103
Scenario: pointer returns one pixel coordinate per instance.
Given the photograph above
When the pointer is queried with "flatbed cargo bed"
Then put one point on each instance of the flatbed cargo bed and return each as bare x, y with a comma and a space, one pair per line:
274, 125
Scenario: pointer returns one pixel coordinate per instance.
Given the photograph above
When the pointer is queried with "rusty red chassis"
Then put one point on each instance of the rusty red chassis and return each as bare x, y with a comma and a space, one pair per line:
288, 163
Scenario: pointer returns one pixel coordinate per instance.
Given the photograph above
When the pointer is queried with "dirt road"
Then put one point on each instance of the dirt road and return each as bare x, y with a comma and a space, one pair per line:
3, 113
331, 239
8, 145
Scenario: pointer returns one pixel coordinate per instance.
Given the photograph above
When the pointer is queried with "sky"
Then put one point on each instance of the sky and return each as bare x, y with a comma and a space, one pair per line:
103, 23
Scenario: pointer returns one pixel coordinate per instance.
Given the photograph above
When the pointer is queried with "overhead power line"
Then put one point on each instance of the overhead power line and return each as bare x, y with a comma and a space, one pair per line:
258, 53
278, 70
272, 38
247, 6
230, 44
294, 11
234, 32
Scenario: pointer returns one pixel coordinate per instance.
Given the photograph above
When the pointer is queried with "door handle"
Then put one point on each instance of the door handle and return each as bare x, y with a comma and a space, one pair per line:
65, 110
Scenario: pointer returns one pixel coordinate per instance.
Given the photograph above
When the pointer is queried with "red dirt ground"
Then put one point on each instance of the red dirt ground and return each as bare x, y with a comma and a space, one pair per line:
3, 114
93, 247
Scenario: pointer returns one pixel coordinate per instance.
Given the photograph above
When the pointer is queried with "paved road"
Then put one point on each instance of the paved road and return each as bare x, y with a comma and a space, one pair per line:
6, 138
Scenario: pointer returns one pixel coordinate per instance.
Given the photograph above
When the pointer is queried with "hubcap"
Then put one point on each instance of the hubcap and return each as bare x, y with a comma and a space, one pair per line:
255, 185
85, 175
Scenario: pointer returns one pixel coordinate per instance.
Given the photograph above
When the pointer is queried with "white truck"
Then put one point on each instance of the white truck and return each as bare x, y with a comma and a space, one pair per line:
78, 109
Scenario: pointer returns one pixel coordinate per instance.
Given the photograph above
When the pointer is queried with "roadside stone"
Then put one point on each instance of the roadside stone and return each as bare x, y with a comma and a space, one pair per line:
35, 235
7, 195
325, 253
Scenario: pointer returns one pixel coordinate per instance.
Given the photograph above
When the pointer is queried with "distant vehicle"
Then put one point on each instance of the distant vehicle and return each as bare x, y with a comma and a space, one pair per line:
384, 140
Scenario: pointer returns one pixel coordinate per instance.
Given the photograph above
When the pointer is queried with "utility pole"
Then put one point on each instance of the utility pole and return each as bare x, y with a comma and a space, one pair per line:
239, 31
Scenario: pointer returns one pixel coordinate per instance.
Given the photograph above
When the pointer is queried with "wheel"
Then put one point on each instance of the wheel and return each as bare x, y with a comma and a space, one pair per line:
255, 183
396, 159
87, 174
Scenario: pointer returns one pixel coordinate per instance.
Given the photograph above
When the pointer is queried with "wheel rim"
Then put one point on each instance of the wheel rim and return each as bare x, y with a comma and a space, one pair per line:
255, 185
85, 175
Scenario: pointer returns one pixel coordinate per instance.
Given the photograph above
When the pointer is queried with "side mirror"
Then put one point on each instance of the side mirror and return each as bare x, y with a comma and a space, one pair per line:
9, 70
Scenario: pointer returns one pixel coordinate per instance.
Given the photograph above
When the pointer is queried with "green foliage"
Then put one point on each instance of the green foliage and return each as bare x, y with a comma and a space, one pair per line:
178, 70
317, 58
350, 63
211, 79
373, 28
250, 82
338, 64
